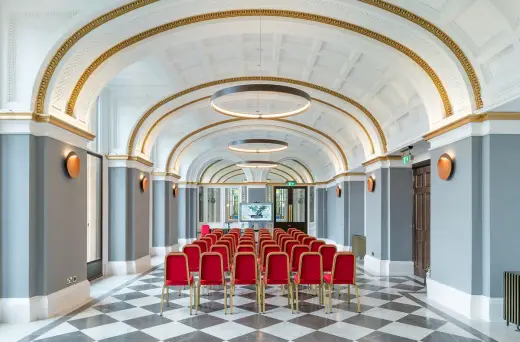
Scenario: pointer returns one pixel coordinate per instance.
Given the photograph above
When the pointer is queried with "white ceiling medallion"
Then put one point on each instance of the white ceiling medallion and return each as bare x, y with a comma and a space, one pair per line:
257, 164
260, 101
258, 145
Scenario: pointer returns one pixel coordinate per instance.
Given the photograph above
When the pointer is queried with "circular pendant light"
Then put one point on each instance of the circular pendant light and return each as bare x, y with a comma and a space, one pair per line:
301, 100
258, 145
257, 164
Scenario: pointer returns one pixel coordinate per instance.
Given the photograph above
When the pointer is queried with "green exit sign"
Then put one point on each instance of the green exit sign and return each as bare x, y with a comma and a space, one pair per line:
291, 183
407, 159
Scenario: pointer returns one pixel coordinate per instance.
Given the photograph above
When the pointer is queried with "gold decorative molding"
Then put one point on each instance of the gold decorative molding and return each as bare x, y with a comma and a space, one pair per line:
240, 172
53, 120
73, 39
478, 118
347, 99
347, 174
381, 159
170, 156
130, 158
71, 103
208, 167
220, 170
166, 174
443, 37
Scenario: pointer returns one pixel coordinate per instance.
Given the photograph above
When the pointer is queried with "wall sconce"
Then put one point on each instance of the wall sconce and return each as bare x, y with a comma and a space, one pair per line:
175, 191
73, 164
445, 166
371, 184
144, 184
338, 191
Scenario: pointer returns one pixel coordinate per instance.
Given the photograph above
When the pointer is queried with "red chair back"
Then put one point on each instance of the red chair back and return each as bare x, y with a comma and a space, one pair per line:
284, 239
211, 269
307, 240
213, 238
231, 237
224, 251
236, 234
204, 230
231, 242
208, 240
315, 245
176, 270
266, 250
327, 252
246, 242
193, 254
344, 268
280, 236
277, 269
202, 244
245, 249
244, 270
265, 243
289, 244
310, 269
297, 251
301, 237
218, 233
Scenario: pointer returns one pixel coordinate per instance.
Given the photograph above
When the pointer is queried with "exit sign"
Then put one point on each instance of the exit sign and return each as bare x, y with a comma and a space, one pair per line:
407, 159
291, 183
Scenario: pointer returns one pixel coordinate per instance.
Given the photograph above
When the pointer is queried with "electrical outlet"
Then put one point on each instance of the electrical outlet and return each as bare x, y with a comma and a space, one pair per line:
74, 279
69, 280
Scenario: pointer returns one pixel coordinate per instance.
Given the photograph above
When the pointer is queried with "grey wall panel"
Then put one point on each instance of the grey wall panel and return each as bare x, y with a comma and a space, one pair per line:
140, 226
256, 195
400, 214
373, 218
117, 219
160, 214
345, 213
321, 213
356, 209
181, 208
173, 224
453, 224
331, 214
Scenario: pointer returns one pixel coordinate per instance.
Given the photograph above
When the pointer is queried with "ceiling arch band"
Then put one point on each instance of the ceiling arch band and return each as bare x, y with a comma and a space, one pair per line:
207, 168
65, 47
309, 173
220, 170
279, 175
231, 165
233, 176
343, 160
240, 172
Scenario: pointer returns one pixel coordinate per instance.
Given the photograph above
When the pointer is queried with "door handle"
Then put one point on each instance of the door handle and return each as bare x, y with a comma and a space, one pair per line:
290, 212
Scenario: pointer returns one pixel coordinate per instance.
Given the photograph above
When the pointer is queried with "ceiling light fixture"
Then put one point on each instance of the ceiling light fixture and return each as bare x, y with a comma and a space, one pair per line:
258, 145
300, 95
257, 164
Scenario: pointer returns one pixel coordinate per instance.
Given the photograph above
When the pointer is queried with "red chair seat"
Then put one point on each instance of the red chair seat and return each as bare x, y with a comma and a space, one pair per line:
210, 282
244, 281
327, 277
178, 283
274, 281
306, 282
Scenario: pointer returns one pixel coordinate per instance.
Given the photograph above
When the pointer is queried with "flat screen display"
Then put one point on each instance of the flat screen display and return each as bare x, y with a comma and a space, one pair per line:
256, 212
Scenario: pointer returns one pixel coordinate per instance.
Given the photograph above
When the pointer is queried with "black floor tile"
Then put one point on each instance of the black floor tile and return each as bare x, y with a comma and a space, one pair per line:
257, 321
195, 336
312, 321
135, 336
423, 322
144, 322
367, 321
257, 336
382, 295
91, 322
113, 307
438, 336
130, 296
319, 336
379, 336
156, 308
202, 321
400, 307
76, 336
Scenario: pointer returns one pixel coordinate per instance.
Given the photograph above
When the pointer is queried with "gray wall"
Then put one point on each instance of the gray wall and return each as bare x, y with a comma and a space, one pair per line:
256, 195
187, 213
321, 212
129, 212
43, 235
165, 209
336, 214
355, 210
374, 214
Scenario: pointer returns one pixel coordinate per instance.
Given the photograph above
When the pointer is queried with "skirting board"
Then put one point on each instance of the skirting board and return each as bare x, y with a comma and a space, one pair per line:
23, 310
129, 267
476, 307
388, 267
162, 251
340, 248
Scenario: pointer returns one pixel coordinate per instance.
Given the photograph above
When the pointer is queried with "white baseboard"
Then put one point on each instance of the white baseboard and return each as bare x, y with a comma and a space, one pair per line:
387, 267
23, 310
476, 307
183, 242
162, 251
129, 267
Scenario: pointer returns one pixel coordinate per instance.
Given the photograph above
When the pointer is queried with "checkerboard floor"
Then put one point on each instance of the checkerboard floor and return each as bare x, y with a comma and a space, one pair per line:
388, 313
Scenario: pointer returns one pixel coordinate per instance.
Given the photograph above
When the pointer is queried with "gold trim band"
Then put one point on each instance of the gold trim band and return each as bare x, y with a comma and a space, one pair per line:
130, 158
381, 159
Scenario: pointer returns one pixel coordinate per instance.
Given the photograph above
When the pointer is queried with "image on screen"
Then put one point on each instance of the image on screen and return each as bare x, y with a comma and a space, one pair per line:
256, 212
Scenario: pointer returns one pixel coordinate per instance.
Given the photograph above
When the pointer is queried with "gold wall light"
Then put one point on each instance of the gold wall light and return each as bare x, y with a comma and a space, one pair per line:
371, 184
338, 191
175, 190
445, 166
144, 184
73, 164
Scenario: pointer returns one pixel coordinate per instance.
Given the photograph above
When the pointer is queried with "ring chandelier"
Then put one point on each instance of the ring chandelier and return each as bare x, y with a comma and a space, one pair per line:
258, 145
248, 89
257, 164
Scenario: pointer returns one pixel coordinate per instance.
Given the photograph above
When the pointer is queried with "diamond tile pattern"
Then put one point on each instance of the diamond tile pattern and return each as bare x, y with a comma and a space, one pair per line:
387, 314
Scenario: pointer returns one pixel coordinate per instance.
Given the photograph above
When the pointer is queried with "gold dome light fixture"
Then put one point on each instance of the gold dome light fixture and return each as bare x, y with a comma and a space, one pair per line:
257, 164
296, 101
258, 145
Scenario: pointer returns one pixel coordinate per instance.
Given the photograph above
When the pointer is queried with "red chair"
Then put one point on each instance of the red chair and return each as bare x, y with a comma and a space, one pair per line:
301, 237
277, 272
315, 245
176, 273
211, 274
264, 243
204, 230
280, 237
193, 253
233, 238
265, 252
213, 238
284, 239
219, 233
327, 252
208, 240
307, 240
224, 251
230, 243
202, 244
244, 273
246, 249
236, 234
246, 243
296, 252
290, 230
309, 273
343, 273
289, 244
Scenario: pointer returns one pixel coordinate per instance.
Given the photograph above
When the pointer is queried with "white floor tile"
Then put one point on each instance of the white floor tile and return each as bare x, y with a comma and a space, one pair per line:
90, 312
123, 315
407, 301
168, 330
237, 314
451, 328
370, 301
108, 330
178, 314
337, 315
390, 315
185, 301
345, 330
108, 300
61, 329
287, 330
283, 314
228, 330
155, 292
427, 313
145, 301
405, 330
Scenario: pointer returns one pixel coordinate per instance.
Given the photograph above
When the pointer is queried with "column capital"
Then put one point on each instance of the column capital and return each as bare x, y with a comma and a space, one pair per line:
123, 160
385, 162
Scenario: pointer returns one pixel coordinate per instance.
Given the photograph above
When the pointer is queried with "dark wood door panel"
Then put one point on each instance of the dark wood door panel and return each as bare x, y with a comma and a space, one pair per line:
421, 219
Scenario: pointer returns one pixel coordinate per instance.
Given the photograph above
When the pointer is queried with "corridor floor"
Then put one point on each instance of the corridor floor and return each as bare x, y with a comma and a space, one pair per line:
391, 311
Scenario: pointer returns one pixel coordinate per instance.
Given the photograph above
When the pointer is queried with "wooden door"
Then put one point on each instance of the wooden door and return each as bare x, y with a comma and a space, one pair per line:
421, 218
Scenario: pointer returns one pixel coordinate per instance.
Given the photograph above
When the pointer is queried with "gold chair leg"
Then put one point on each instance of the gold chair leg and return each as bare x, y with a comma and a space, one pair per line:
231, 293
331, 288
357, 296
348, 293
324, 295
257, 299
297, 300
263, 298
339, 293
191, 288
197, 299
180, 291
292, 297
167, 296
225, 299
162, 299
